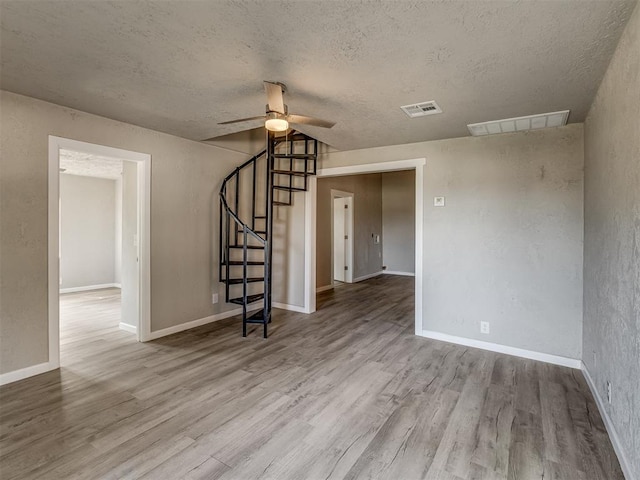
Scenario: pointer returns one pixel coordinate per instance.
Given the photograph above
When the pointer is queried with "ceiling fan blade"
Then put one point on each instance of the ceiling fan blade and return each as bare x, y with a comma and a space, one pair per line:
304, 120
261, 117
274, 97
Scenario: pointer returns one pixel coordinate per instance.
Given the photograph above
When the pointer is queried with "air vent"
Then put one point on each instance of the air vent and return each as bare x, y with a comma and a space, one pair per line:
517, 124
421, 109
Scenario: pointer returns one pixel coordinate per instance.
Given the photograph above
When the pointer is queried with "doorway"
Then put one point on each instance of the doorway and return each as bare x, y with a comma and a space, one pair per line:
342, 235
417, 165
99, 250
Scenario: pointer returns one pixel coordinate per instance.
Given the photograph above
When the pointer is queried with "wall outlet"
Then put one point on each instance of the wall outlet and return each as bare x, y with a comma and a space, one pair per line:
608, 391
214, 298
438, 201
484, 327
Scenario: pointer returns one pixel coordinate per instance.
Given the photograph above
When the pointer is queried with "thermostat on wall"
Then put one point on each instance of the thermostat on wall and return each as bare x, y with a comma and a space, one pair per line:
438, 201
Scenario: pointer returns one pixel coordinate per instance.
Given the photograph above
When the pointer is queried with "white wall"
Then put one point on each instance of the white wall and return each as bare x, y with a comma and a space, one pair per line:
130, 246
87, 226
507, 248
399, 221
612, 245
118, 232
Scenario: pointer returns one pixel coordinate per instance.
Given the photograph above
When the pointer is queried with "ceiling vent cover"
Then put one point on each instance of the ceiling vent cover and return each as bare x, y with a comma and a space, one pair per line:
518, 124
421, 109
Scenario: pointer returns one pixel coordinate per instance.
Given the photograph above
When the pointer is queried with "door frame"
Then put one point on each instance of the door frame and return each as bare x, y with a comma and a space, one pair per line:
348, 278
311, 199
143, 161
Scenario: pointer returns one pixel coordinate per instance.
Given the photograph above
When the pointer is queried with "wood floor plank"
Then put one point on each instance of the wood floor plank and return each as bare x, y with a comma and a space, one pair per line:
347, 392
527, 449
458, 443
494, 432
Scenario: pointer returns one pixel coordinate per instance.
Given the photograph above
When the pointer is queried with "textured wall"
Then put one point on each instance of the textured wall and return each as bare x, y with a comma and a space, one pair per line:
288, 253
87, 231
507, 248
185, 180
399, 221
612, 240
367, 219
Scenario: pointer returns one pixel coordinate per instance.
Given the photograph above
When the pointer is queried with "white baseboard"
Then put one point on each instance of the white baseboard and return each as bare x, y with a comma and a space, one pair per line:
128, 328
324, 289
366, 277
625, 464
291, 308
496, 347
27, 372
393, 272
86, 288
199, 322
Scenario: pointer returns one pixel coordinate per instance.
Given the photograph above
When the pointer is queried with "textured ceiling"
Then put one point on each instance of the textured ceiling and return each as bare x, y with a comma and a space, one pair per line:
88, 165
183, 66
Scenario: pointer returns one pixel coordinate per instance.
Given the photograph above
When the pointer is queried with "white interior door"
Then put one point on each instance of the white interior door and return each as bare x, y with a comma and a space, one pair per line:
339, 242
348, 239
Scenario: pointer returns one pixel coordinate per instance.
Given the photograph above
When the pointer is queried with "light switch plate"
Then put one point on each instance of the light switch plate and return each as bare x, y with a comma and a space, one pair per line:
438, 201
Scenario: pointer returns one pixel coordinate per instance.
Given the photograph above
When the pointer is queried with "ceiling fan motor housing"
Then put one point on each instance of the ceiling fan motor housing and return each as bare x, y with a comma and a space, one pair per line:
286, 110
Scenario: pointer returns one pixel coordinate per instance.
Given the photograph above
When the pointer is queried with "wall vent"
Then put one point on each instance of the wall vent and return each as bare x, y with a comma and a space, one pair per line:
518, 124
421, 109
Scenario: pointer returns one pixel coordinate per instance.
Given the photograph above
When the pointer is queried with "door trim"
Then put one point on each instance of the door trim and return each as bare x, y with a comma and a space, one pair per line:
417, 164
143, 161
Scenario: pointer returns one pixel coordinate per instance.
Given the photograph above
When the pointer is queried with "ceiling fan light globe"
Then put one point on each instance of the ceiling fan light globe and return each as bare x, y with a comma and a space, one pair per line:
276, 124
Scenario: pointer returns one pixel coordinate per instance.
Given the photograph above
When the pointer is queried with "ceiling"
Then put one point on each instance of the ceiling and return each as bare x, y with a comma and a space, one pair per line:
183, 66
89, 165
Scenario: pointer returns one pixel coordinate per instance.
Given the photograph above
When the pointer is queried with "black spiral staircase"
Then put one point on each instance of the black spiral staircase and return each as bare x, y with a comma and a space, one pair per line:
247, 199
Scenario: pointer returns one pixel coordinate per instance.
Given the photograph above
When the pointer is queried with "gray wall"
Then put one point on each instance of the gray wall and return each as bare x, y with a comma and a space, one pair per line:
367, 220
130, 247
288, 253
612, 240
87, 231
185, 180
399, 221
507, 248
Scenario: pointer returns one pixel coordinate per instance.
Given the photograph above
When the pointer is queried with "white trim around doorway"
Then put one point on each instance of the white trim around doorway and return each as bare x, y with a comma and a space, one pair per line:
143, 161
416, 164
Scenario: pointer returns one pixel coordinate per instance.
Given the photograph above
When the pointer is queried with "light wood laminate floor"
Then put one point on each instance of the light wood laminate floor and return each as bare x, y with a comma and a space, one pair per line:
348, 392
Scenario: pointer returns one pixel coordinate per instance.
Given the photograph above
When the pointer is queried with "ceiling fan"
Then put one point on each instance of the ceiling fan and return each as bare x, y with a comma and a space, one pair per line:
278, 118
